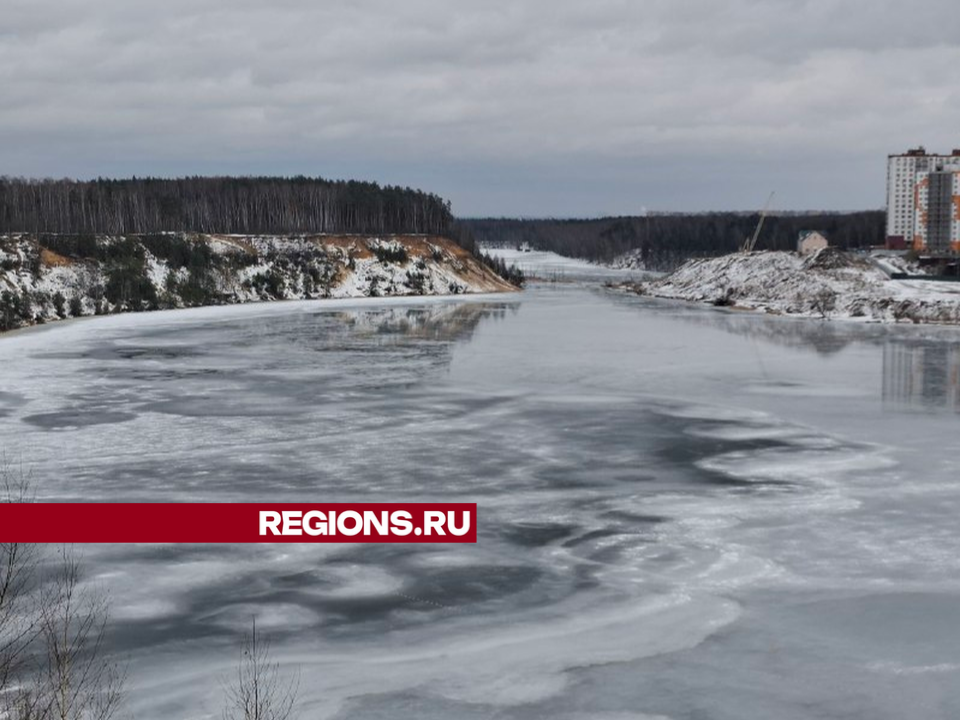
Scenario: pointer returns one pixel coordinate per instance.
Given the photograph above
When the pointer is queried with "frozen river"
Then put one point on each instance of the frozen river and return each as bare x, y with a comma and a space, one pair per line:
683, 512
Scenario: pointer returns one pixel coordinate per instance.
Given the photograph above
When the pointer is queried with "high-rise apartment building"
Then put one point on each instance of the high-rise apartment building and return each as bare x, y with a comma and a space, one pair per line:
937, 214
923, 201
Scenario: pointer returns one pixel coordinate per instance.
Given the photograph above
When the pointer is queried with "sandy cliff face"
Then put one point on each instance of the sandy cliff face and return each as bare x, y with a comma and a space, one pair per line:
48, 277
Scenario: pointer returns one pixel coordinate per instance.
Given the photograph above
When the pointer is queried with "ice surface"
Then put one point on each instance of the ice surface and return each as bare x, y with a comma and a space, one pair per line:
682, 513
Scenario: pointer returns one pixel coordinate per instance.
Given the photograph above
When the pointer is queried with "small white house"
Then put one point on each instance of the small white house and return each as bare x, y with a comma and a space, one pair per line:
811, 241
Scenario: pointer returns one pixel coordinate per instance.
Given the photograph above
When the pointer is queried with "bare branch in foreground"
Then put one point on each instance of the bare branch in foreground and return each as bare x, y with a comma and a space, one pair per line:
259, 692
18, 573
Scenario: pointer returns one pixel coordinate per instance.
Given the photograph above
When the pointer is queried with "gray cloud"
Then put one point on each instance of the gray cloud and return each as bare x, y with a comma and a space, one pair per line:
535, 108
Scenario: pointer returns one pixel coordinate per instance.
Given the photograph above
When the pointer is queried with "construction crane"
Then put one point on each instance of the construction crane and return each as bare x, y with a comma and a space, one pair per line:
751, 242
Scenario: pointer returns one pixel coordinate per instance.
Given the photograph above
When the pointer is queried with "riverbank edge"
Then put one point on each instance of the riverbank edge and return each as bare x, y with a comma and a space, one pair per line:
353, 267
826, 285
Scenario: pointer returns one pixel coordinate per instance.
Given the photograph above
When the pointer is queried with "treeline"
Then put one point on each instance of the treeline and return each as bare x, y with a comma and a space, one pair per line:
665, 241
243, 205
511, 273
461, 232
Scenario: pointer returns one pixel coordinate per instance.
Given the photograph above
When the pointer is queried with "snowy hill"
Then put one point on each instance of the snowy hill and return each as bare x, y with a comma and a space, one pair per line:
828, 284
48, 277
546, 265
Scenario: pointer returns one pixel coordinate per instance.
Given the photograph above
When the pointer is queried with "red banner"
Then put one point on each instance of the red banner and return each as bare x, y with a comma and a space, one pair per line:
238, 522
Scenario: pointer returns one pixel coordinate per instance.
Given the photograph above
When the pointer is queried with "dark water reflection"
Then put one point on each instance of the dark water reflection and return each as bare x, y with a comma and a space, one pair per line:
924, 375
921, 364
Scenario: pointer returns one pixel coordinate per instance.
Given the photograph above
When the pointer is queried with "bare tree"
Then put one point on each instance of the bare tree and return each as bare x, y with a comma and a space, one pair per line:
18, 566
76, 680
824, 301
52, 660
259, 692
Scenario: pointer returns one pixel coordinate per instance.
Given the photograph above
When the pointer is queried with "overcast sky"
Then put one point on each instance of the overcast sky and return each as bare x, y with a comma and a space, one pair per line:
519, 107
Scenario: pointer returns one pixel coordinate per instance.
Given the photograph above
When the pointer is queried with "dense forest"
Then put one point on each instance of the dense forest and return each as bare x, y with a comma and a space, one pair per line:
245, 205
665, 241
275, 205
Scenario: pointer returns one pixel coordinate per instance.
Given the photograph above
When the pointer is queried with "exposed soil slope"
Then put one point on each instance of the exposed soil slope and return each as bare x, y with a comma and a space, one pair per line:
47, 277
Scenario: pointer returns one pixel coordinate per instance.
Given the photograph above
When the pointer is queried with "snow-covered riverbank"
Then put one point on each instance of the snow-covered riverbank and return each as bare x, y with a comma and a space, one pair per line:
828, 284
50, 277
